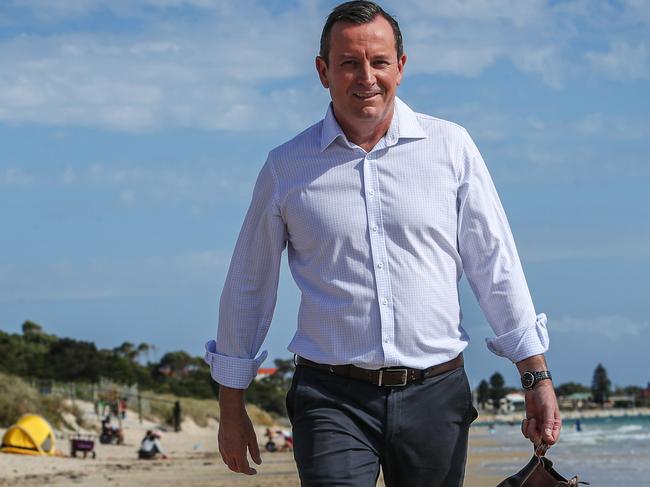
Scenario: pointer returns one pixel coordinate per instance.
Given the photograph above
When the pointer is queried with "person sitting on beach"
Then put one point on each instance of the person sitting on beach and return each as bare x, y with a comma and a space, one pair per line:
150, 446
288, 440
111, 433
270, 443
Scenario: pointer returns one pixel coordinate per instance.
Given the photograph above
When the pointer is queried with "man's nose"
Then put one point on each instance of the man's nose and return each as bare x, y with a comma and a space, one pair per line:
366, 74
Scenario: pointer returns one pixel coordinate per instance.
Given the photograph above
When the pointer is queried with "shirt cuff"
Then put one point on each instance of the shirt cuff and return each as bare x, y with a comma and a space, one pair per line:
523, 342
232, 372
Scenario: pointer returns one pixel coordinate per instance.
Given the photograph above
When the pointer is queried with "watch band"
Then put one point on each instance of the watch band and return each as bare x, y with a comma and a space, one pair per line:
532, 377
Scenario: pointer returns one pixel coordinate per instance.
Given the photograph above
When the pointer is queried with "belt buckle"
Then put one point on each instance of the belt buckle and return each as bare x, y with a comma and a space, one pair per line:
405, 376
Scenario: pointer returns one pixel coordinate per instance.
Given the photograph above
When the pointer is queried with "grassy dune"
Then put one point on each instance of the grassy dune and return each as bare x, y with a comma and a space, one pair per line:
199, 410
17, 397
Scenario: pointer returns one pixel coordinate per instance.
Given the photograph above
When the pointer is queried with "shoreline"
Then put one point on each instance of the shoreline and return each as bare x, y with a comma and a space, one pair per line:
485, 419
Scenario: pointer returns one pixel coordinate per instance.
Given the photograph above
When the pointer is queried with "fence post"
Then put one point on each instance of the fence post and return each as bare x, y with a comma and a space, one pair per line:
139, 407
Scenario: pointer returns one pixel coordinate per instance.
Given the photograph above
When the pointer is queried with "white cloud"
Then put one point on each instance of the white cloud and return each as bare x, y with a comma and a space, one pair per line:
219, 66
622, 61
13, 176
221, 71
512, 11
614, 127
545, 61
196, 184
53, 11
69, 176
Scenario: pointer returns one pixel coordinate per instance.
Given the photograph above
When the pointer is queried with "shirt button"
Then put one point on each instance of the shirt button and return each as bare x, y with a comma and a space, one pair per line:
384, 301
386, 340
371, 192
380, 265
375, 228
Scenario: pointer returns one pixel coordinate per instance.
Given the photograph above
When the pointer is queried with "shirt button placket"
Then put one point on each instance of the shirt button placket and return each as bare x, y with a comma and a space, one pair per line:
378, 250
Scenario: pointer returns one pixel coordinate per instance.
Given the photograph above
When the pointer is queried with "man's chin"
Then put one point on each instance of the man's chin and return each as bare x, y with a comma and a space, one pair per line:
372, 113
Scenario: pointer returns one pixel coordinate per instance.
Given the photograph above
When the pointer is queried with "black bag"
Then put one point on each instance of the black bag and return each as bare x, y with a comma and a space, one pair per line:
539, 472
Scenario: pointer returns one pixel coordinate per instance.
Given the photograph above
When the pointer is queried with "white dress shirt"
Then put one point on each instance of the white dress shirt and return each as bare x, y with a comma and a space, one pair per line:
377, 243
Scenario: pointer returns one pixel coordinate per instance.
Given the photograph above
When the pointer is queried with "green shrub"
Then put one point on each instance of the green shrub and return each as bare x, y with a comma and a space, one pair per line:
18, 398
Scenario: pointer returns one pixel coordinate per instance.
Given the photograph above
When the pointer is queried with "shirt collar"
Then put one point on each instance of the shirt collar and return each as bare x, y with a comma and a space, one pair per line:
404, 125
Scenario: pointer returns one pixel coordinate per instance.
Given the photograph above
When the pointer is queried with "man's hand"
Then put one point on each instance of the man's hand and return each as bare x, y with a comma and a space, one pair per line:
236, 432
543, 422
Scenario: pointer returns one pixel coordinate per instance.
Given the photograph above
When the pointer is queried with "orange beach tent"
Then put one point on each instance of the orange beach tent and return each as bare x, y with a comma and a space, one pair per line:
31, 435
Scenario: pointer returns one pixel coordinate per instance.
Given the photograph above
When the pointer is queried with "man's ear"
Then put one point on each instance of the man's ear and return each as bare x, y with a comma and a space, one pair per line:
400, 67
321, 67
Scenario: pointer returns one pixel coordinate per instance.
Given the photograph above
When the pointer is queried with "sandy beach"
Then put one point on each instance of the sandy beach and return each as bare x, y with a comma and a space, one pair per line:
194, 461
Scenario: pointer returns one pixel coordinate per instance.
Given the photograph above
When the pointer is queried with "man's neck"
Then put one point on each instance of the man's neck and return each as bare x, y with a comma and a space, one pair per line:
366, 136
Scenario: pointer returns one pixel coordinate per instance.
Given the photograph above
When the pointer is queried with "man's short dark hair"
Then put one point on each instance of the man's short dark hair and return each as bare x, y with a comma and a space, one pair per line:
357, 12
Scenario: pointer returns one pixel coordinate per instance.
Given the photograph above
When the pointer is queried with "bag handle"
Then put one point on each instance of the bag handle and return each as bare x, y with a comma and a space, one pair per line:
541, 449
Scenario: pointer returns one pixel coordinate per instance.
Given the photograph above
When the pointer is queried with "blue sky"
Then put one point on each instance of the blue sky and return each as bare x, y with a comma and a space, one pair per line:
132, 133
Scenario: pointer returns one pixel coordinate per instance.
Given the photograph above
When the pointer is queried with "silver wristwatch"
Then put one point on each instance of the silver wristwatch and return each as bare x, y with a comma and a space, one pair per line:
530, 378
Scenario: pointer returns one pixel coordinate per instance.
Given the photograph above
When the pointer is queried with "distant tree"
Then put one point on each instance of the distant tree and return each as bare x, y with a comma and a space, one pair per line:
600, 385
31, 328
145, 349
177, 362
569, 388
270, 392
285, 371
497, 388
127, 350
72, 360
483, 393
635, 391
15, 354
34, 334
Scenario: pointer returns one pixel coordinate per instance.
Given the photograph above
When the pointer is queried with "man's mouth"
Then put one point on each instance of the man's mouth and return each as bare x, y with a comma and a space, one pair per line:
366, 95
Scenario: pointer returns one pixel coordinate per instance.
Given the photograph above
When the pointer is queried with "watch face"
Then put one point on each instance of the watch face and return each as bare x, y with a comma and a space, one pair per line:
527, 380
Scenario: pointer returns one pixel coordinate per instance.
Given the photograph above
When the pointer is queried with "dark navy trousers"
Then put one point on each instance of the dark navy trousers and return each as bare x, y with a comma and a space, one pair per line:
345, 429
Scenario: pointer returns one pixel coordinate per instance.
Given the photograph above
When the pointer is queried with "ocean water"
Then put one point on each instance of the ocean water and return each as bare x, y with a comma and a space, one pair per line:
608, 452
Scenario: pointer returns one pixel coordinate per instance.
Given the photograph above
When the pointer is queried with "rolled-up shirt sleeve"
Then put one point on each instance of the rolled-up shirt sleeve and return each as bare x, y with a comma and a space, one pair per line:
250, 290
491, 263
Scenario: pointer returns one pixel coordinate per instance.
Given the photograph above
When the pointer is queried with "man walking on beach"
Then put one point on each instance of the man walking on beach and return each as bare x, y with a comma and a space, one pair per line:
382, 210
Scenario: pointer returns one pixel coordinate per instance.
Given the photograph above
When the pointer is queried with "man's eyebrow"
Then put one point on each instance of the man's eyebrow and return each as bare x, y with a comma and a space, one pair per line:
382, 55
348, 54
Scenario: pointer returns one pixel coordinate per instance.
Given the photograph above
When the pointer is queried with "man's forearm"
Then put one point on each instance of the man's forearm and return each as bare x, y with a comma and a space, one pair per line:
534, 363
231, 400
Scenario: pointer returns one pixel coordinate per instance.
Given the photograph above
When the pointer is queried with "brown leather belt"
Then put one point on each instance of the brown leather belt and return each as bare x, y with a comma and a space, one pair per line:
390, 376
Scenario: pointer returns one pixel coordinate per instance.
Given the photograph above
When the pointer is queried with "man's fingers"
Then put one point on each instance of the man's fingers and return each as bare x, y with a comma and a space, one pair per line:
243, 466
238, 463
254, 448
230, 463
531, 430
552, 429
524, 427
548, 430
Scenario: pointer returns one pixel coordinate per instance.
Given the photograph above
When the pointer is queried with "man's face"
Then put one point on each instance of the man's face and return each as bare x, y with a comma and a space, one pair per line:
363, 72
